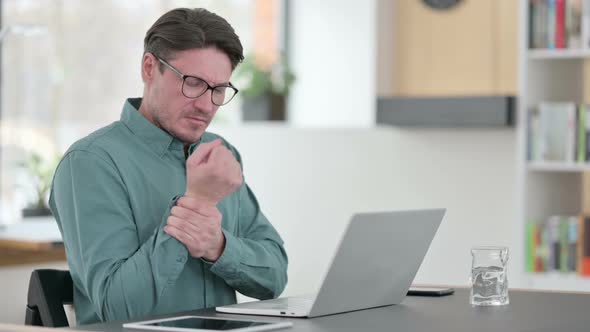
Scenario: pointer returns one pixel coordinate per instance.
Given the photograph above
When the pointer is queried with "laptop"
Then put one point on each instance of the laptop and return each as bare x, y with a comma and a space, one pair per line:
374, 265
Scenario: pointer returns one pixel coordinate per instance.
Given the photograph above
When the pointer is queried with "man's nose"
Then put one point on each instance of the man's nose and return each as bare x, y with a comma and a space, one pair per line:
204, 102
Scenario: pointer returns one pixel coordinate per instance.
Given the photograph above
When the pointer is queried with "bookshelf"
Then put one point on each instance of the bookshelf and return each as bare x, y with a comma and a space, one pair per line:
548, 188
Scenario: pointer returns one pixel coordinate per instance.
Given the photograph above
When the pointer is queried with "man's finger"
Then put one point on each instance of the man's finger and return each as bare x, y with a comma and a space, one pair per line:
213, 155
178, 234
184, 213
191, 244
221, 153
186, 226
204, 150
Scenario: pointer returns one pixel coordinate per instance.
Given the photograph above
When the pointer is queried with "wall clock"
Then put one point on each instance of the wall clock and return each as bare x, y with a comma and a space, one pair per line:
441, 4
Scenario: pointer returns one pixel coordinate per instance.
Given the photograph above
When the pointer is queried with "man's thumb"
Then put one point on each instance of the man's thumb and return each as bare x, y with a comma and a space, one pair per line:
201, 155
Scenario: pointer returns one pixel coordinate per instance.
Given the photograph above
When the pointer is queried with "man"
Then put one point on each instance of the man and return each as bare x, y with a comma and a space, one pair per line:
154, 212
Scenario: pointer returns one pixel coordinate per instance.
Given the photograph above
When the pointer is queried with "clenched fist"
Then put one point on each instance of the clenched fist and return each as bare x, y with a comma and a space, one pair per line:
212, 173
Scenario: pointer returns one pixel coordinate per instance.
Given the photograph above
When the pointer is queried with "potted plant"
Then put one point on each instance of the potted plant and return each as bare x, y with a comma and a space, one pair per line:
39, 172
264, 88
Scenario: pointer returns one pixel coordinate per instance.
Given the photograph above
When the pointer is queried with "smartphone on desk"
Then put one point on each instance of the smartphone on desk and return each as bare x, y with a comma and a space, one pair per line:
430, 291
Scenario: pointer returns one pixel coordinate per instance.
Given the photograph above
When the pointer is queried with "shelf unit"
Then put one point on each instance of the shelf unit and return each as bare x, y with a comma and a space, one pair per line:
549, 188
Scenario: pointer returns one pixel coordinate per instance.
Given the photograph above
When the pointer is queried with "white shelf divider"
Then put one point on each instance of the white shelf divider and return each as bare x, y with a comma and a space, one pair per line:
558, 281
556, 166
557, 54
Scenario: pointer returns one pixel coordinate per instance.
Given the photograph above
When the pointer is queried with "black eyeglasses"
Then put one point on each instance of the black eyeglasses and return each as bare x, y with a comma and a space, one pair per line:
194, 87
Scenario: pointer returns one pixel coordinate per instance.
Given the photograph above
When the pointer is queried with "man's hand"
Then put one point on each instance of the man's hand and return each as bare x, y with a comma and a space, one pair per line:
198, 227
212, 173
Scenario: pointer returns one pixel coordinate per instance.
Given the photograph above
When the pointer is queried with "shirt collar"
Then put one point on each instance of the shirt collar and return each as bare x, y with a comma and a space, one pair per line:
157, 139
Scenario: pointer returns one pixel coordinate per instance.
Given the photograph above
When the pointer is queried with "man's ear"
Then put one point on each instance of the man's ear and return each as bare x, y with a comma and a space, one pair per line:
149, 65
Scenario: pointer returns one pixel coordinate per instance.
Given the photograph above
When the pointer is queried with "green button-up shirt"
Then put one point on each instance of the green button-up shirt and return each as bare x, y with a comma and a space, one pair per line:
111, 195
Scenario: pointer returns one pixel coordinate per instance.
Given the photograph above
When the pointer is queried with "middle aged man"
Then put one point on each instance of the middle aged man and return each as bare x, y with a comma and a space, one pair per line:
154, 212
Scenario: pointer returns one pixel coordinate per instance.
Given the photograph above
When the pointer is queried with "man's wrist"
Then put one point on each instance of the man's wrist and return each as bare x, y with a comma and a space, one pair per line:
214, 256
196, 201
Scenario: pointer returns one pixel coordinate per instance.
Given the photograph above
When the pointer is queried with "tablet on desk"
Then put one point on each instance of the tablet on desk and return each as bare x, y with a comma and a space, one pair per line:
196, 323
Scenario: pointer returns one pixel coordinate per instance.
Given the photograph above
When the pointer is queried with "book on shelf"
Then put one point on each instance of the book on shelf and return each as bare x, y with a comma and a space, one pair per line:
530, 245
564, 253
572, 247
560, 24
584, 245
557, 24
585, 133
559, 132
551, 23
538, 27
573, 23
585, 195
582, 134
554, 243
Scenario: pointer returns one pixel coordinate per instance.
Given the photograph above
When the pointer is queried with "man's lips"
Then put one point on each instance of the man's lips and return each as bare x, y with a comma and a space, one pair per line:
197, 120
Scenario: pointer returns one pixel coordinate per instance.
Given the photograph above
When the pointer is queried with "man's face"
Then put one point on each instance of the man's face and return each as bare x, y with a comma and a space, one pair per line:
166, 106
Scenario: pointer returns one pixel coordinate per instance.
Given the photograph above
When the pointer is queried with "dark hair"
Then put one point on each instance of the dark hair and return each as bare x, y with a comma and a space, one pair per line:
184, 28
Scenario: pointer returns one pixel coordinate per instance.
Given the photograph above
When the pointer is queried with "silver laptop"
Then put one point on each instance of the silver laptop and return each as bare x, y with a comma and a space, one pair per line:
374, 265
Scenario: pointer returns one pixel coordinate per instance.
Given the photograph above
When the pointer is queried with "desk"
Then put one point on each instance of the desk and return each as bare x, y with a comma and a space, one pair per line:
32, 241
528, 311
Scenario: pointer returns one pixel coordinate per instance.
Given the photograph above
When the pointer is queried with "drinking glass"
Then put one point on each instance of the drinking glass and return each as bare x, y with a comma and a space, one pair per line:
489, 281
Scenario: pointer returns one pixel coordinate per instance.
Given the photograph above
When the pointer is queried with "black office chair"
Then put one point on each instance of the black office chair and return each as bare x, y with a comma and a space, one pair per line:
49, 290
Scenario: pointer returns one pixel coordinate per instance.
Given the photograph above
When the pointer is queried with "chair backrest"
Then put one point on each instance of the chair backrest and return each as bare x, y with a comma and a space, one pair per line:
49, 290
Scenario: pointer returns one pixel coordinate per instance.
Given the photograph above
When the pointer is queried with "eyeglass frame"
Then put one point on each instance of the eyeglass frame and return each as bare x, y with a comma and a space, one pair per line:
209, 87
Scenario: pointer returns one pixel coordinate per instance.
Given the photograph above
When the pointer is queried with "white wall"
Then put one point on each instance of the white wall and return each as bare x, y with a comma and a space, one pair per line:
386, 56
309, 182
334, 56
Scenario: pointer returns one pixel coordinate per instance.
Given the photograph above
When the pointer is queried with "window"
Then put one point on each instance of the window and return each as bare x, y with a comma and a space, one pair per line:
67, 67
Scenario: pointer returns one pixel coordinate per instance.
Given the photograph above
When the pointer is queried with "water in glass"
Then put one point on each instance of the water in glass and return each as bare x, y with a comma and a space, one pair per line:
489, 281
